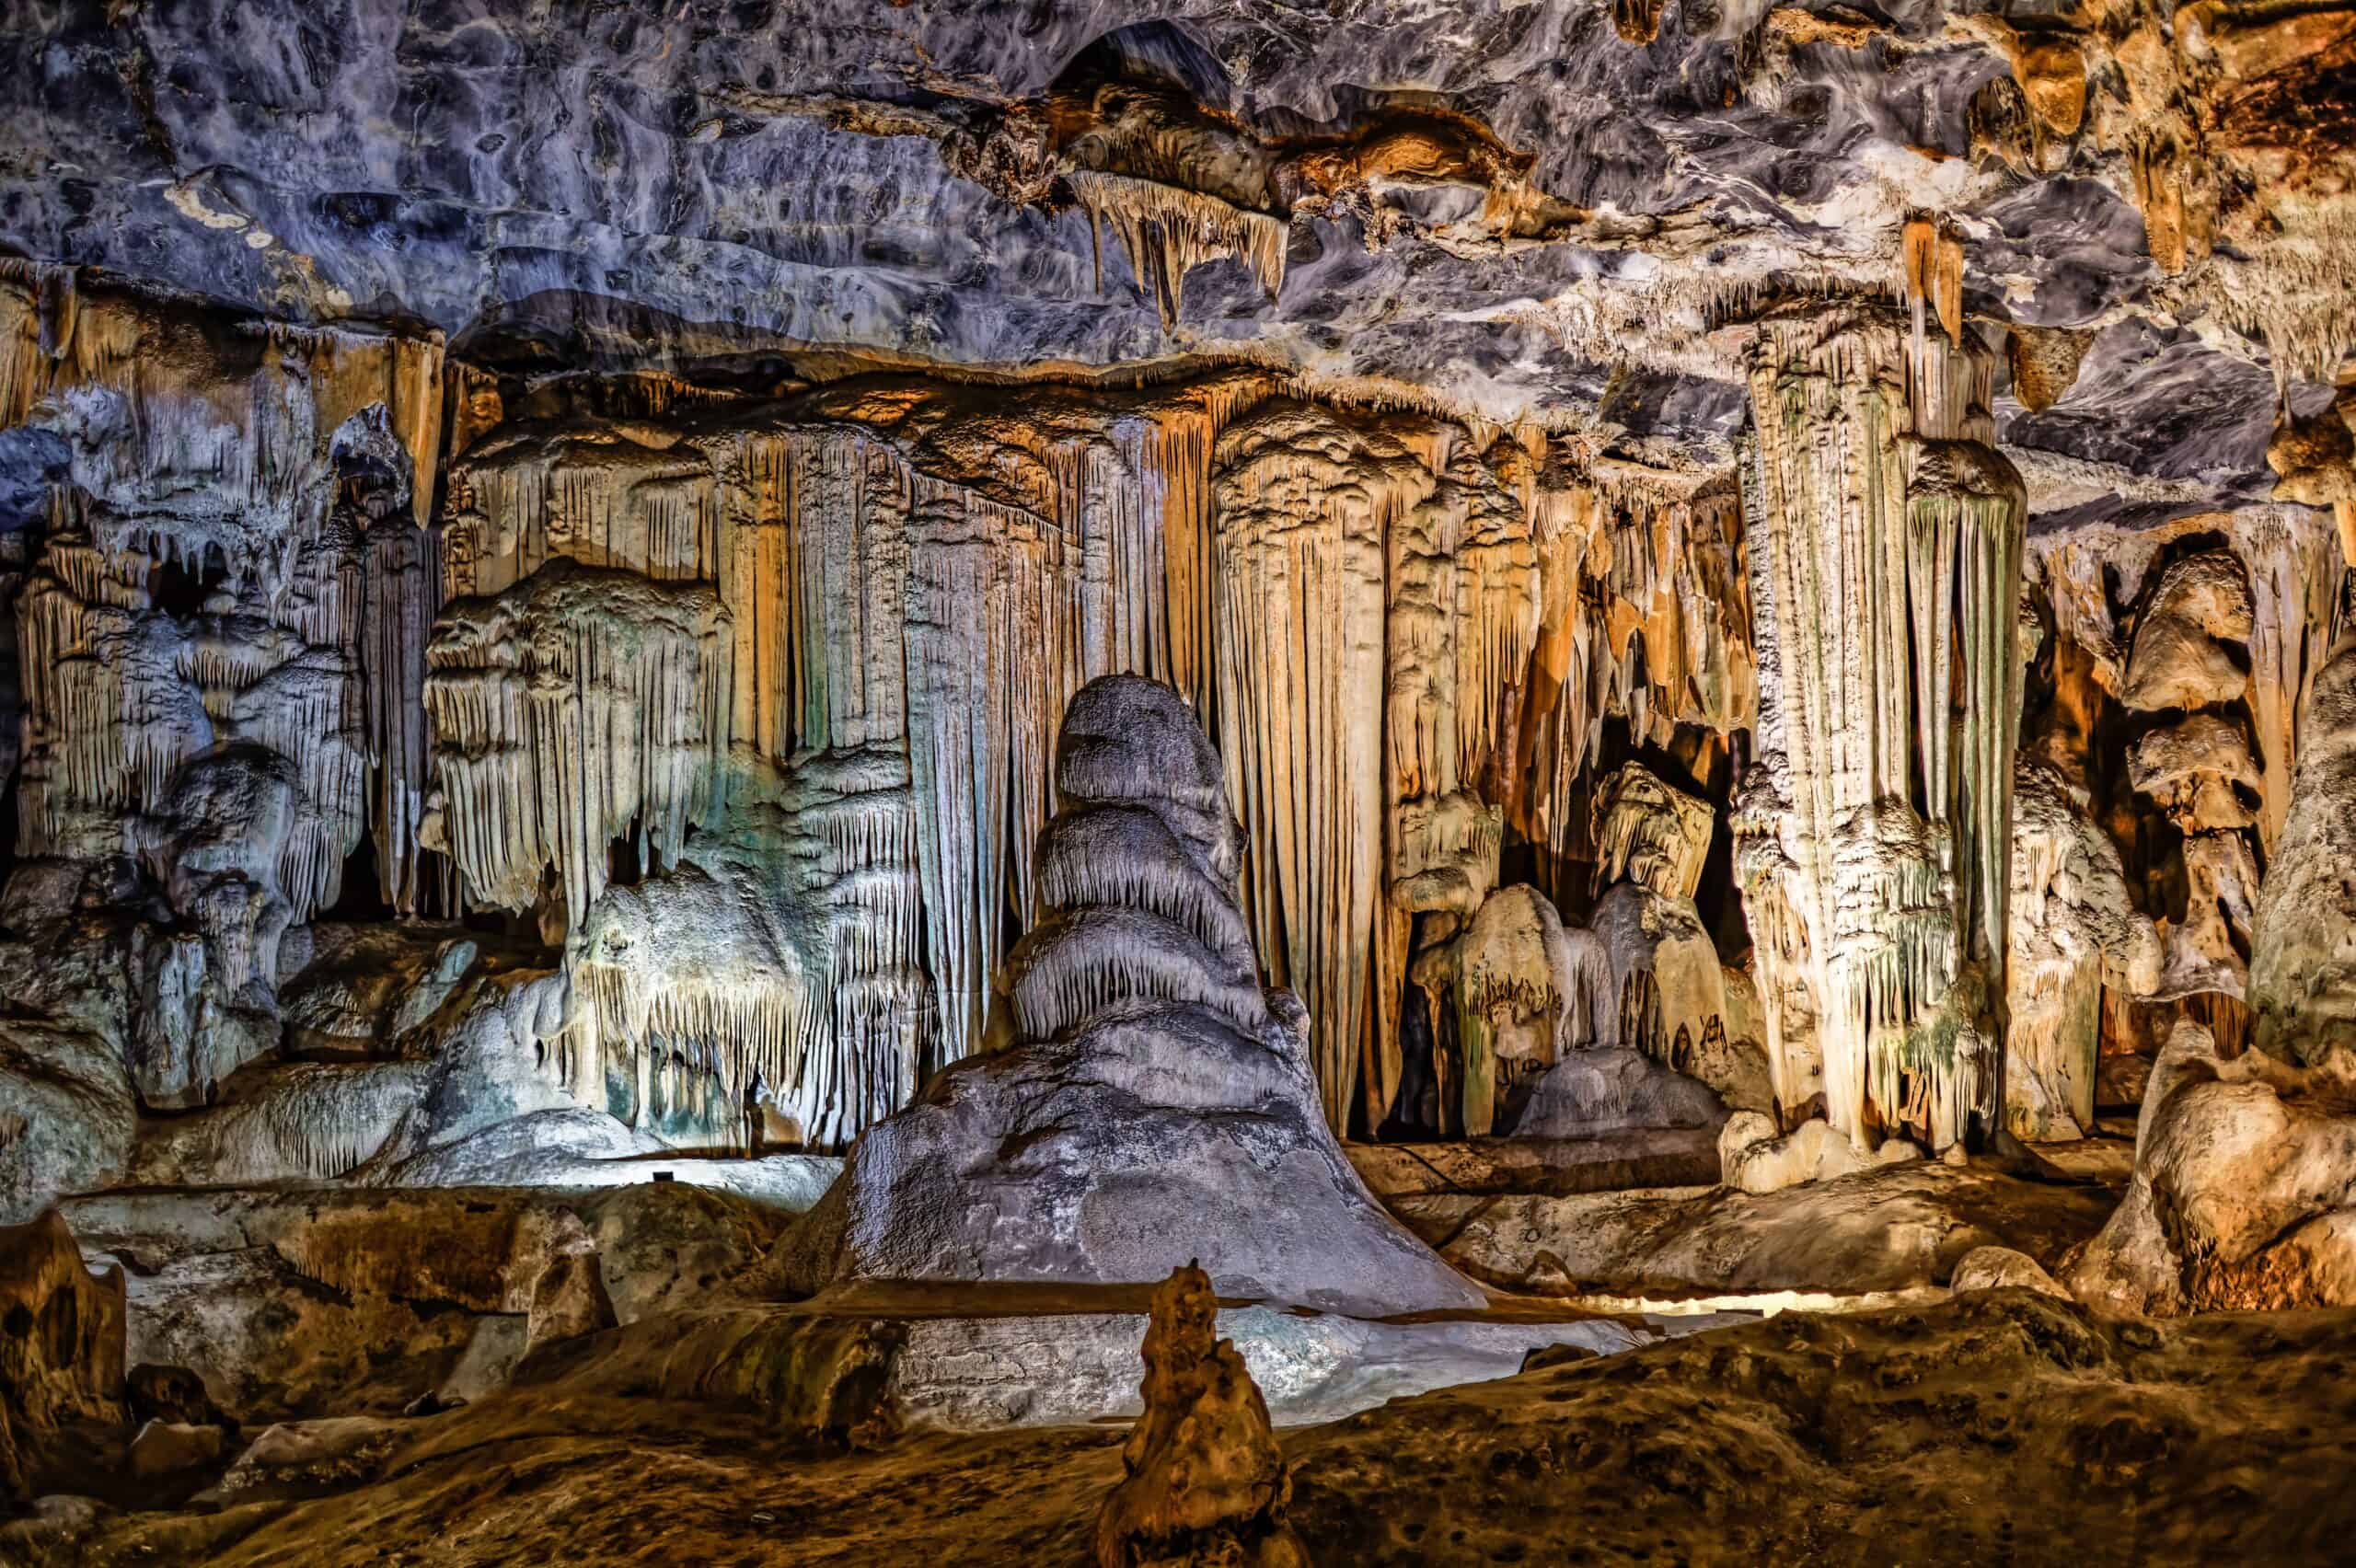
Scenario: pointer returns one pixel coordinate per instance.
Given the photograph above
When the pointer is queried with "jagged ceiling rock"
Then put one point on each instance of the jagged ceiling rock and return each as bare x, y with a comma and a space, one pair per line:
1482, 199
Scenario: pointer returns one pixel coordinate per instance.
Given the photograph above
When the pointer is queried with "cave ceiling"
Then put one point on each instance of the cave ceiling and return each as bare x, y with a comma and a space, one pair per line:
1554, 211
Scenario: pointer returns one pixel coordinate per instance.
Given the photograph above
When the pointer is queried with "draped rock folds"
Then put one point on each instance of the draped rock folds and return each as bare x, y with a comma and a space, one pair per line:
1156, 1106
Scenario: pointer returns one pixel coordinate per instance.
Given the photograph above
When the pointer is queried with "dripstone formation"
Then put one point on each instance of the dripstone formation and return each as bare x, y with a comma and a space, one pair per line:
1155, 1103
753, 704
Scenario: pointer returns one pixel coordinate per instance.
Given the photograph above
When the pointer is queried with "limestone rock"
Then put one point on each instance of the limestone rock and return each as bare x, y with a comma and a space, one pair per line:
1611, 1088
2238, 1163
2201, 604
170, 1394
1650, 832
2075, 934
308, 1458
62, 1346
2302, 953
1755, 1158
1204, 1481
68, 1114
216, 850
162, 1448
2001, 1268
569, 1299
1157, 1106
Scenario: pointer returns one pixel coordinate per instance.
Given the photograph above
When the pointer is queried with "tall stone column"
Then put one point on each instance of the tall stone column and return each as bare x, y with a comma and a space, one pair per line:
1885, 546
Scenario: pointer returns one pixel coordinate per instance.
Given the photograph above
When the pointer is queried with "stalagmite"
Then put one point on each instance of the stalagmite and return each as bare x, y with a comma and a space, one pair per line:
1152, 1107
1885, 562
1518, 995
1204, 1481
2076, 934
2303, 955
61, 1355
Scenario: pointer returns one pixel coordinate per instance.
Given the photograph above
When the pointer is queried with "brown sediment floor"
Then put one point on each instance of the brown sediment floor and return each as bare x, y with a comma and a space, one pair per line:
1998, 1428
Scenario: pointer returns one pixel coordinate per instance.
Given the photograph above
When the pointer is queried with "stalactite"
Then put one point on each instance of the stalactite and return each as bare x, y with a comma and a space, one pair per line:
229, 465
1885, 538
910, 575
570, 710
1303, 506
1168, 232
2296, 289
1647, 618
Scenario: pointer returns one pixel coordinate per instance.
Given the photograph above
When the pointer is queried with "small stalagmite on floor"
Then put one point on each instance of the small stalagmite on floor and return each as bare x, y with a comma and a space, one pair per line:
1205, 1481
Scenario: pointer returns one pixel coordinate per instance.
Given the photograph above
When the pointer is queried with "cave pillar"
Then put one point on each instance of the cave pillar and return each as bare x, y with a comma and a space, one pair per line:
1884, 533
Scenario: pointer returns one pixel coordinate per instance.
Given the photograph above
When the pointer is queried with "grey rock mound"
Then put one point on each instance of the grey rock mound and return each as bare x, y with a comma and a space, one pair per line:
1157, 1106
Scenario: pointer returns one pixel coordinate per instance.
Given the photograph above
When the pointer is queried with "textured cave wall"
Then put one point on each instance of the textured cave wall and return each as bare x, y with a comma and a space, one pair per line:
650, 483
910, 580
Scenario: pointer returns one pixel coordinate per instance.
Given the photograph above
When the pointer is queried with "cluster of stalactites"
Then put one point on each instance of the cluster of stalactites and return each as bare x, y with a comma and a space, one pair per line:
567, 711
1167, 231
1884, 537
1646, 618
917, 571
1306, 506
258, 481
941, 595
774, 971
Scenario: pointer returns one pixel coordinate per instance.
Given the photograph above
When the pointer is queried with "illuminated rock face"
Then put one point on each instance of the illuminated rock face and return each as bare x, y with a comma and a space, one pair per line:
2075, 931
671, 484
1886, 578
2303, 962
1156, 1105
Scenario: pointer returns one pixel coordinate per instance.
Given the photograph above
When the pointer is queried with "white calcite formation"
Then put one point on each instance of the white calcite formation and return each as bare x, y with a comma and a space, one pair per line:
578, 705
910, 583
2302, 957
278, 476
1885, 568
1156, 1105
1511, 994
2076, 934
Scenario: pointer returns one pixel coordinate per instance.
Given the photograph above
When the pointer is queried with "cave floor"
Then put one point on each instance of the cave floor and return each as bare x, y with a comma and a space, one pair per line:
1996, 1427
